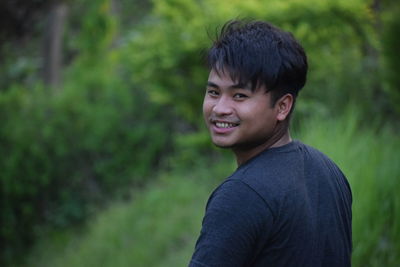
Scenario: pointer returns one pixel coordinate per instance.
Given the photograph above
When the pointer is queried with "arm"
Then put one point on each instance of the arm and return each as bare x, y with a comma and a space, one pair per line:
236, 218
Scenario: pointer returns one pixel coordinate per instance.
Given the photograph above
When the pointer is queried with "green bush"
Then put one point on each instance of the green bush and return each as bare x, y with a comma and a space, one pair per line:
64, 151
390, 44
337, 35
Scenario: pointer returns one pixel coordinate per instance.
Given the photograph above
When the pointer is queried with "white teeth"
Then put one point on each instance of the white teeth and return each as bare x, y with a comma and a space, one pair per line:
224, 125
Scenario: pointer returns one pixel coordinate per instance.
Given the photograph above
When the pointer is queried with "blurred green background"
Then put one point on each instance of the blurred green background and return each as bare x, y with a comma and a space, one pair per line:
104, 158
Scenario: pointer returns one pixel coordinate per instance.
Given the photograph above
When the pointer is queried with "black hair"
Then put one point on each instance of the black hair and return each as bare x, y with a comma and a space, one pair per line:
259, 53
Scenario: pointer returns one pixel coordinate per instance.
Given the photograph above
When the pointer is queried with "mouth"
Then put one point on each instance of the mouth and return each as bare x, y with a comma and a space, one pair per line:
225, 125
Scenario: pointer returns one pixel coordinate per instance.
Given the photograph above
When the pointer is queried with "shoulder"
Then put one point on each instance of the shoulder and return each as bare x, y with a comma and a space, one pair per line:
277, 174
233, 195
315, 160
273, 172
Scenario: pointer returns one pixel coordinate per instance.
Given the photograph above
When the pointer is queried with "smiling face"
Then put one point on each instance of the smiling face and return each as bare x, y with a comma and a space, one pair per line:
240, 118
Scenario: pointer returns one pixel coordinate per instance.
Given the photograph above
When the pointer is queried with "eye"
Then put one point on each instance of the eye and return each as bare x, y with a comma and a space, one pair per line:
212, 92
240, 96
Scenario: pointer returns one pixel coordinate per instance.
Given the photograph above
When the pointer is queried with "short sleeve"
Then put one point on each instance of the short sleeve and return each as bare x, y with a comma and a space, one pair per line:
236, 222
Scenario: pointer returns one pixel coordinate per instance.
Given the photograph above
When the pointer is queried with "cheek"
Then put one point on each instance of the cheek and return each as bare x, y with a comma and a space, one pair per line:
207, 107
260, 113
252, 110
206, 112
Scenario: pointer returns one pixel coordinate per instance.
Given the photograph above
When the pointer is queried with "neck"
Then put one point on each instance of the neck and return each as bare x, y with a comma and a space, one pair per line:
279, 138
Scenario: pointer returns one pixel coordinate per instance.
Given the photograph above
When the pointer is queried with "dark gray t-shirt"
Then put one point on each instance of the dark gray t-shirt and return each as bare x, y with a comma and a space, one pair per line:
288, 206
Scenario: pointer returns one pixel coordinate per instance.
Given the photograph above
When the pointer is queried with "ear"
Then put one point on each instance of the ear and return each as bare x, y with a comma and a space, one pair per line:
283, 106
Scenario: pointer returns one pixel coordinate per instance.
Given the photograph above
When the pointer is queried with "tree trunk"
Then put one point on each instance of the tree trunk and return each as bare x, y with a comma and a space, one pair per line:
52, 46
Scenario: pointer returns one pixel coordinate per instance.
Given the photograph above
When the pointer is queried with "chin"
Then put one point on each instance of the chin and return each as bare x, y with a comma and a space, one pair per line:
222, 144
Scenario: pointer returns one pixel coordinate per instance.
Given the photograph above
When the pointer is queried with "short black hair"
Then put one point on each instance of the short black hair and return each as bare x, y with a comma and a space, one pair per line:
259, 53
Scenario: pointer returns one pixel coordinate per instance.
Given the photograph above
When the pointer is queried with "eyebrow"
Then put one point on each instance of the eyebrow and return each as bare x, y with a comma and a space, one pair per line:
234, 86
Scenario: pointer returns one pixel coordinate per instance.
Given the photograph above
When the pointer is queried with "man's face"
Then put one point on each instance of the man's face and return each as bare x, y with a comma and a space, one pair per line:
236, 116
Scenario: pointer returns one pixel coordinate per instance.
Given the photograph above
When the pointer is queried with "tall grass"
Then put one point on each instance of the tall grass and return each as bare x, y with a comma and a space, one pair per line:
369, 156
158, 227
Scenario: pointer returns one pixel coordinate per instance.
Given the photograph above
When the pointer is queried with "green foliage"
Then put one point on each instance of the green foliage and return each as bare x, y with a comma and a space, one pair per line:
127, 100
338, 36
391, 42
156, 228
73, 148
98, 29
68, 149
159, 226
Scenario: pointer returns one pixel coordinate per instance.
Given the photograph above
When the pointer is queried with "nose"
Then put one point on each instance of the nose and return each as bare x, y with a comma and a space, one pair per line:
223, 106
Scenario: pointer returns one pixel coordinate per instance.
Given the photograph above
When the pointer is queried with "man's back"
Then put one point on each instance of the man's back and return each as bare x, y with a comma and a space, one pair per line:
288, 206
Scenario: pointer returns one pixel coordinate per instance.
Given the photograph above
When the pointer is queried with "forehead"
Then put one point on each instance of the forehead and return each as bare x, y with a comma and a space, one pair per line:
223, 79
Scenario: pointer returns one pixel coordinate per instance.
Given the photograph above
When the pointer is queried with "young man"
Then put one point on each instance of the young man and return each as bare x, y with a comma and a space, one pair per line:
287, 204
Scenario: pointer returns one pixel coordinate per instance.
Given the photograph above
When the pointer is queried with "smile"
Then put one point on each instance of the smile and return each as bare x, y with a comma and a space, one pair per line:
225, 124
